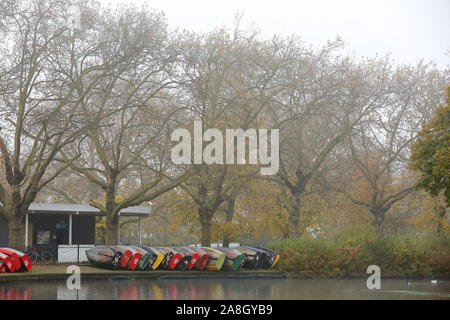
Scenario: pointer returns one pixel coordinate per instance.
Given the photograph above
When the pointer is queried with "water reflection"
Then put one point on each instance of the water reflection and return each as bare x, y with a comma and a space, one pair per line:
15, 293
224, 289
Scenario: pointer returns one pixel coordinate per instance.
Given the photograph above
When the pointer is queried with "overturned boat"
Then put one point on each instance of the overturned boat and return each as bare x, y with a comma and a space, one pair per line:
142, 257
7, 262
216, 259
14, 258
146, 259
172, 257
194, 256
105, 257
157, 256
274, 257
203, 259
126, 256
22, 261
234, 259
185, 258
135, 256
256, 258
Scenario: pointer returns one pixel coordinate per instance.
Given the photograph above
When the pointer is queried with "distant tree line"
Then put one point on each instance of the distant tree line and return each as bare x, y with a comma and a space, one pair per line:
87, 110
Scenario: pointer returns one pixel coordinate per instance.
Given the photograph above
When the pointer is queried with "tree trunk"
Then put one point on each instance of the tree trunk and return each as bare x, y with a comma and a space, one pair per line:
379, 215
16, 236
442, 212
111, 230
294, 215
205, 220
229, 218
112, 217
206, 234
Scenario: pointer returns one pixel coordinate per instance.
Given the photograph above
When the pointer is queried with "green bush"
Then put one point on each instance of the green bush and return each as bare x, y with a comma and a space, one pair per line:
397, 255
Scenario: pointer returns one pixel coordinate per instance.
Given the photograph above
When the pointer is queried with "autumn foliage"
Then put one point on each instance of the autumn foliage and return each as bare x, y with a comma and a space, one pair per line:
405, 255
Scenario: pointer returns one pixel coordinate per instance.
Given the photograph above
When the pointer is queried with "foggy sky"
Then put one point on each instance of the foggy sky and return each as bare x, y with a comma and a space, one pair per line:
408, 29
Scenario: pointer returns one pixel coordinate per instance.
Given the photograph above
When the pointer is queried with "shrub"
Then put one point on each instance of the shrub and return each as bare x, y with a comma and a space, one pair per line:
397, 255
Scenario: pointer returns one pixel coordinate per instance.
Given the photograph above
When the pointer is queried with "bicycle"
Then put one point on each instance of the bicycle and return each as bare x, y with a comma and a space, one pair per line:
45, 256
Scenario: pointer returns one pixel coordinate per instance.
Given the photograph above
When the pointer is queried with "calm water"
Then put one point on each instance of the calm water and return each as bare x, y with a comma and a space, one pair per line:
232, 289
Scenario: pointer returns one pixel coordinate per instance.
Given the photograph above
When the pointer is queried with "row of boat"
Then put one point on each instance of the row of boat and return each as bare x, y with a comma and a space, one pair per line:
142, 257
12, 260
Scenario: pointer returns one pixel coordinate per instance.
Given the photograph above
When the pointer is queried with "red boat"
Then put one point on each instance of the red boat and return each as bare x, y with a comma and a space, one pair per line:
9, 264
22, 261
195, 257
191, 256
14, 258
135, 259
126, 255
203, 260
135, 256
173, 257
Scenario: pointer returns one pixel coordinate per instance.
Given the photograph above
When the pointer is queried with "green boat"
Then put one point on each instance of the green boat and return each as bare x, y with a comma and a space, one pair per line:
234, 259
146, 260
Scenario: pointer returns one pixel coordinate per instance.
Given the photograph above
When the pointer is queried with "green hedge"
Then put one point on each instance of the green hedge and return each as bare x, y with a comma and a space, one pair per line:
405, 255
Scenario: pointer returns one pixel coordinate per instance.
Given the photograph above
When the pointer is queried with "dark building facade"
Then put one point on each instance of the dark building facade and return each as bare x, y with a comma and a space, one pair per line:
3, 232
50, 224
53, 229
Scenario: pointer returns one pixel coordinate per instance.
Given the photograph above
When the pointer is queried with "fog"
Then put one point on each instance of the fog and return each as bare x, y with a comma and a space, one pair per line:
409, 30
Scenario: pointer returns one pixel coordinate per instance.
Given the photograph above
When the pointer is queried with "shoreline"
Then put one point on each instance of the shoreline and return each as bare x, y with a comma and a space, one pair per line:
58, 272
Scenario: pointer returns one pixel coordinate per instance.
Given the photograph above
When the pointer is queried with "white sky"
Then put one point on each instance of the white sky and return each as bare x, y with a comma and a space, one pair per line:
408, 29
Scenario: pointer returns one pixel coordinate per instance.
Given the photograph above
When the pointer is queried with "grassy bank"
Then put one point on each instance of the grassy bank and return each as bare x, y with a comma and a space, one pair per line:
405, 255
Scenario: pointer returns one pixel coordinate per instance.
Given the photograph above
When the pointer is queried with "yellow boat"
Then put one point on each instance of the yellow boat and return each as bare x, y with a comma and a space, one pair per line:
157, 255
216, 259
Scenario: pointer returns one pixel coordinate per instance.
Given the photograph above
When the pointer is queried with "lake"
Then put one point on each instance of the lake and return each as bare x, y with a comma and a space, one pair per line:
224, 289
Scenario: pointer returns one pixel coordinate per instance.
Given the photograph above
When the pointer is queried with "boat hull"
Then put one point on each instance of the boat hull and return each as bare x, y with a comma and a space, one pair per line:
216, 259
135, 256
274, 256
189, 258
146, 259
265, 258
23, 263
203, 260
158, 256
14, 258
9, 264
105, 257
126, 256
183, 259
172, 257
255, 257
234, 260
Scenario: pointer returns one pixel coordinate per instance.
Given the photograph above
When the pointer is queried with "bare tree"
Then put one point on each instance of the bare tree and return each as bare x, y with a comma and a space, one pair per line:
313, 114
43, 66
227, 80
127, 154
379, 147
